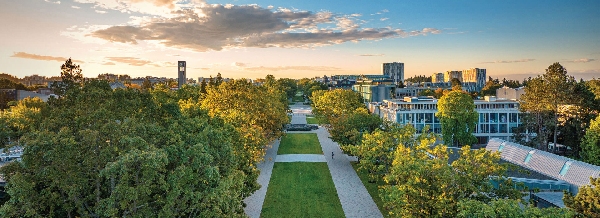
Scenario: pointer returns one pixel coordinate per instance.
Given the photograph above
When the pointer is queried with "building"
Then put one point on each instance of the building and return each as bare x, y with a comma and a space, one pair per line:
452, 74
497, 118
477, 77
374, 92
437, 78
181, 79
510, 93
394, 71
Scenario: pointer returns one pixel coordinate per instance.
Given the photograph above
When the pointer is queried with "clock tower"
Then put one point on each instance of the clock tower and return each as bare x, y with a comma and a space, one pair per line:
181, 79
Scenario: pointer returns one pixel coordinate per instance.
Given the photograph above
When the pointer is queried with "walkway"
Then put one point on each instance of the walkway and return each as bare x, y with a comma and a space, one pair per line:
355, 200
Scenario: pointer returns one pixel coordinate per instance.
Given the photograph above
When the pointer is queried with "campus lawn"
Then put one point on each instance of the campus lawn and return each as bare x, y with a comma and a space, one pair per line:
301, 189
312, 120
371, 188
300, 143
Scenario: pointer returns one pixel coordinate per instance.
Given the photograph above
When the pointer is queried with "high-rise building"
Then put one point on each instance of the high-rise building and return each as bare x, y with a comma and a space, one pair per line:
437, 78
474, 75
452, 74
395, 71
181, 78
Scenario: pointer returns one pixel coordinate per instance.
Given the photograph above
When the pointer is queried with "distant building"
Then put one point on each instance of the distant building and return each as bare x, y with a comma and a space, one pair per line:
374, 92
437, 78
474, 77
453, 74
394, 71
510, 93
181, 77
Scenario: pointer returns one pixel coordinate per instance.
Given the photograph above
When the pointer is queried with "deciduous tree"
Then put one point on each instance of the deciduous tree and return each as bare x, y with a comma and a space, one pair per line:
458, 117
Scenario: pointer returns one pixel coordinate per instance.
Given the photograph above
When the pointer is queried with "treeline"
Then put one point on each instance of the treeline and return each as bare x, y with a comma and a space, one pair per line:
413, 174
98, 152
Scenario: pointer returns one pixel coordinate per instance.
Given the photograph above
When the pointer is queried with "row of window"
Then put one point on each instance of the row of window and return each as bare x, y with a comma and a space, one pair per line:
504, 119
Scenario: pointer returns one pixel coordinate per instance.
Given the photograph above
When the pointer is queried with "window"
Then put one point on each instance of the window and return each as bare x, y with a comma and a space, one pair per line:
529, 156
501, 146
565, 168
503, 128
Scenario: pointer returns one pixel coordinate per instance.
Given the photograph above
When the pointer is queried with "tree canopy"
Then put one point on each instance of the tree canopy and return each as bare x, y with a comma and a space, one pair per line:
456, 111
98, 152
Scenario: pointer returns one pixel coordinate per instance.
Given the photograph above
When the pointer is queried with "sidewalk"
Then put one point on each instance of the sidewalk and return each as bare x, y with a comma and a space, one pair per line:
355, 200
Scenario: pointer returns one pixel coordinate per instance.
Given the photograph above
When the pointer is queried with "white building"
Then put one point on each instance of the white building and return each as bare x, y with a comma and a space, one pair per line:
497, 118
395, 71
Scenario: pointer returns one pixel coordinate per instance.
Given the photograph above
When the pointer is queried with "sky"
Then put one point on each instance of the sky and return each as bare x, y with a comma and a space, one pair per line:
511, 39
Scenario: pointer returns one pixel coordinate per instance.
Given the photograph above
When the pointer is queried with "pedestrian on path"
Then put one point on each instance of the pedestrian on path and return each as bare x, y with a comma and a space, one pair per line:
332, 155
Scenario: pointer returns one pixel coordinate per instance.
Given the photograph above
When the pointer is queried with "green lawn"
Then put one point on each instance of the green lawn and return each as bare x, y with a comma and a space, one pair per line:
300, 143
312, 120
301, 189
371, 188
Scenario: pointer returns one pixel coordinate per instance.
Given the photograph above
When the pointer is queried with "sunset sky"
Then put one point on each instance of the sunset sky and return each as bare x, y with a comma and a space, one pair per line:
298, 38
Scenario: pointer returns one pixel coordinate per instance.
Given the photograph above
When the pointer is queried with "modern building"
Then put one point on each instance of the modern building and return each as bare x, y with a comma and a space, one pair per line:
394, 71
374, 92
437, 78
453, 74
181, 78
497, 118
510, 93
475, 76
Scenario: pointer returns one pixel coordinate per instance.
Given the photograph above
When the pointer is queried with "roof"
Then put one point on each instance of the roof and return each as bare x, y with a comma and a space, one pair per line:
573, 172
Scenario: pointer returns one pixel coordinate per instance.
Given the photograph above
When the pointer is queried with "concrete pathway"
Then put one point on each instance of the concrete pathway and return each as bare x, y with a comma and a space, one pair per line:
355, 200
352, 193
300, 158
254, 202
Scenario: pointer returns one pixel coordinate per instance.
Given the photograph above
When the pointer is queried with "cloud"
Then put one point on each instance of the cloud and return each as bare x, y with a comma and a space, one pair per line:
56, 2
217, 27
371, 55
133, 61
282, 68
582, 60
508, 62
108, 63
42, 57
100, 12
384, 19
76, 7
238, 64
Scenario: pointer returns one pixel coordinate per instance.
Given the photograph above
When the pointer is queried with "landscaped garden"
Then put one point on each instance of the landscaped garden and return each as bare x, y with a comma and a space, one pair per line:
301, 189
300, 143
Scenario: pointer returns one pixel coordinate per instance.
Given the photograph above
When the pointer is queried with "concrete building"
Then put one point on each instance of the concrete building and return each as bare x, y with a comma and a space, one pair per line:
394, 71
452, 74
475, 76
497, 118
437, 78
510, 93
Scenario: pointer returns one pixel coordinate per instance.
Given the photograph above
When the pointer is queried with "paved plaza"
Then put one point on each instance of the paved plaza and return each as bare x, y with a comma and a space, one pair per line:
355, 200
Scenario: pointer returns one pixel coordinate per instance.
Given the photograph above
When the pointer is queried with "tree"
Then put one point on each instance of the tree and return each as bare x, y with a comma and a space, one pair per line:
331, 104
509, 208
422, 184
99, 152
348, 129
490, 88
146, 85
455, 82
427, 92
71, 78
590, 147
587, 200
543, 96
458, 118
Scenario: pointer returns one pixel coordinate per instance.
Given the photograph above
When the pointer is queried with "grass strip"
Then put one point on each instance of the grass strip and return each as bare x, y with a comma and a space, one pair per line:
301, 189
300, 143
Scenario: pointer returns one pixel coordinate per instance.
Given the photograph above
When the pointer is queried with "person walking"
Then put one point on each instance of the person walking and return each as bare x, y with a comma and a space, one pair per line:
332, 155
